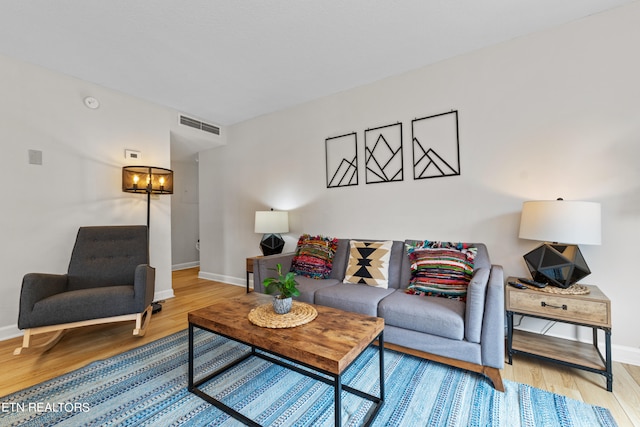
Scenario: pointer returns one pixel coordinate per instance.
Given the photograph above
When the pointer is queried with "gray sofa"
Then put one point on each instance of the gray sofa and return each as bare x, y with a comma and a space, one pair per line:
467, 335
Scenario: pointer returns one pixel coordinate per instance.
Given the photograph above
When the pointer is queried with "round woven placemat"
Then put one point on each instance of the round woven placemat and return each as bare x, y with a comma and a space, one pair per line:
574, 289
265, 317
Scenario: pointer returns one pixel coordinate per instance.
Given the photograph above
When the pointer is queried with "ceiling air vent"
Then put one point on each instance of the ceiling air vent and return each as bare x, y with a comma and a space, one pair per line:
196, 124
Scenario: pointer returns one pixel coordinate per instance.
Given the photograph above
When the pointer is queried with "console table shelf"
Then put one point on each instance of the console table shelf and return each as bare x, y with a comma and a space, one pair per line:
592, 310
558, 349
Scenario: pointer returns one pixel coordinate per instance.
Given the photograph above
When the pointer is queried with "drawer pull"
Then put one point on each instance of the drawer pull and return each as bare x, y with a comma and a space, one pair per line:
544, 304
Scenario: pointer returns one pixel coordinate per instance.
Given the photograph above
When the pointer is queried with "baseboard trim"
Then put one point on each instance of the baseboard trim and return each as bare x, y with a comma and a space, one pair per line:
162, 295
624, 354
185, 265
8, 332
222, 278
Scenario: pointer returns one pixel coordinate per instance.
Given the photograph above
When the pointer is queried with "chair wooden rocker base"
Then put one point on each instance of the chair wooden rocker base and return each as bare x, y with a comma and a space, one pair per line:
142, 322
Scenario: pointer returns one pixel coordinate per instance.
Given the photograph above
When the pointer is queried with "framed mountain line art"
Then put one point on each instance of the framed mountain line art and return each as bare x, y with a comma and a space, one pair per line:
383, 159
436, 146
342, 160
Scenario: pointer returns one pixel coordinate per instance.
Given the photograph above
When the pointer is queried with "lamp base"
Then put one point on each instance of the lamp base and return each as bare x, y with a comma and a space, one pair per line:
557, 265
271, 244
156, 307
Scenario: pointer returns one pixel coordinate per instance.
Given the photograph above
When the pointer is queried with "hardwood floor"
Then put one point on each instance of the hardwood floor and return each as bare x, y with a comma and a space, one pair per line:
82, 346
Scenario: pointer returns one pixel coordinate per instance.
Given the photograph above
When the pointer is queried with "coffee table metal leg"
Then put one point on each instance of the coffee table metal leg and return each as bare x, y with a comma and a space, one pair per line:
381, 357
337, 388
190, 386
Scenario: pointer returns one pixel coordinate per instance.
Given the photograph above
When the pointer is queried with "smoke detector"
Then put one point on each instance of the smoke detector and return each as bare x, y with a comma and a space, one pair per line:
91, 102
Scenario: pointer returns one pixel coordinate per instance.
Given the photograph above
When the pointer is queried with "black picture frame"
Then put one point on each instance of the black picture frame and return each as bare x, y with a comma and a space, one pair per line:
436, 146
341, 153
383, 154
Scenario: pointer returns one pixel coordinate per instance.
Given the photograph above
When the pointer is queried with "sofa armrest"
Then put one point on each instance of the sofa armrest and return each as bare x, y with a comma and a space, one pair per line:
475, 305
264, 267
493, 323
144, 286
36, 287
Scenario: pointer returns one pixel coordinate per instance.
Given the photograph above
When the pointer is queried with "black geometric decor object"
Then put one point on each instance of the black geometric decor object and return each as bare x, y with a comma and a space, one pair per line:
383, 154
436, 146
271, 244
342, 160
556, 264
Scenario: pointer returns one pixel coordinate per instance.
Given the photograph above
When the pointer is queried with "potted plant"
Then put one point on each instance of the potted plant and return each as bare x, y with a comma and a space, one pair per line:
286, 285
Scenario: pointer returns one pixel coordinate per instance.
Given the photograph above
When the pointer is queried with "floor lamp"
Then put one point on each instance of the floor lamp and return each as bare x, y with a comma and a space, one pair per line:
149, 180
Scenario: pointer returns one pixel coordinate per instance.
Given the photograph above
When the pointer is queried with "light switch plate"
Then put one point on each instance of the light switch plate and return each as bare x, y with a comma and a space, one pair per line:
35, 157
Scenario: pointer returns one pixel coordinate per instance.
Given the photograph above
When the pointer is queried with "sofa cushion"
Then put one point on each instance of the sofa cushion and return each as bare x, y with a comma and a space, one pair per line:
314, 256
308, 287
352, 297
441, 269
369, 263
340, 260
482, 256
435, 316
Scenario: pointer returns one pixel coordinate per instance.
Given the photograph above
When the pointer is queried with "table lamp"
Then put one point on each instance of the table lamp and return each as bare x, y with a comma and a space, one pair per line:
271, 224
566, 224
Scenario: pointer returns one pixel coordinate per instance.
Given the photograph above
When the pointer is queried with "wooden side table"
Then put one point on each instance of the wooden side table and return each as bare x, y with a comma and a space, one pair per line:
592, 310
250, 268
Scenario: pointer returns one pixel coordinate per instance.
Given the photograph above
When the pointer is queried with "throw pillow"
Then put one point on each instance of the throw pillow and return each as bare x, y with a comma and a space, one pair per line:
441, 269
369, 263
314, 256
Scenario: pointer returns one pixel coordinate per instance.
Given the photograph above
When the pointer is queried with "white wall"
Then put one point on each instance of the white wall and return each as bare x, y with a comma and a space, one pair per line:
184, 215
79, 182
555, 114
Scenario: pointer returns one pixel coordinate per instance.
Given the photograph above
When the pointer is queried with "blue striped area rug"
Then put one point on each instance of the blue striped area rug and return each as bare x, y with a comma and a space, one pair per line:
147, 386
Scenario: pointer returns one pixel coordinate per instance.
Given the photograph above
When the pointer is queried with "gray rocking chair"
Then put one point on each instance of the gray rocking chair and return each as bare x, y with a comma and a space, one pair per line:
108, 280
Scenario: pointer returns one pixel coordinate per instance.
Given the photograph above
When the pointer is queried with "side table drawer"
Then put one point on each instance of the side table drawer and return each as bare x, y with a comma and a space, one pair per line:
576, 310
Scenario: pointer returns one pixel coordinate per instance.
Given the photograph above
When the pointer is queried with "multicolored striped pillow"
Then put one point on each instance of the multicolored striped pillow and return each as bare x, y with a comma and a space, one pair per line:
314, 256
441, 269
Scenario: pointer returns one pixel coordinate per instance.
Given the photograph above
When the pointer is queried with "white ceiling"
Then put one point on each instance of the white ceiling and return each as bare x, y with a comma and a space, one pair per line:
225, 61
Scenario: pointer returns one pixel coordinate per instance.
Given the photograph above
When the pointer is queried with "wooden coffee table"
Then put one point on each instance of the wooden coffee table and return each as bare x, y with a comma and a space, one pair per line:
327, 345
